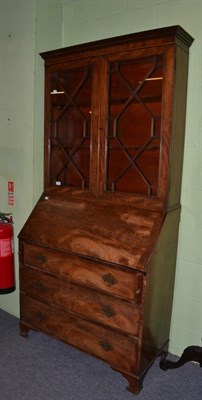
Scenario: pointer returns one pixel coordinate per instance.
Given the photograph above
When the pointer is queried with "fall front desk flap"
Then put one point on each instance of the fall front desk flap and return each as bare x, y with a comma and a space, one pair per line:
120, 235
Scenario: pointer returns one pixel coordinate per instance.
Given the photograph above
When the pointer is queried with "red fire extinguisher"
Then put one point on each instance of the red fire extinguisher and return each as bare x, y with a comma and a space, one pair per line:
7, 270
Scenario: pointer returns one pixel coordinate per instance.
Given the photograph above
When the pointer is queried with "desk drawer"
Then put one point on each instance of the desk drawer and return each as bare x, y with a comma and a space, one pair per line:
102, 308
119, 351
94, 274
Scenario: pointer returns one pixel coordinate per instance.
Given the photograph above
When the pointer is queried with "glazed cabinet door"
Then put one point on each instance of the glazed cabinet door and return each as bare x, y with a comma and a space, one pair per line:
70, 130
135, 116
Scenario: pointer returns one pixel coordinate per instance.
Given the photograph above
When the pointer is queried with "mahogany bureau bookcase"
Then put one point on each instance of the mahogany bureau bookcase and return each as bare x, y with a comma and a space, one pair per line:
98, 252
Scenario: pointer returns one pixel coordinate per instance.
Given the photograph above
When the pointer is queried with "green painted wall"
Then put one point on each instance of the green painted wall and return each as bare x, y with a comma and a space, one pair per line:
16, 116
31, 26
27, 27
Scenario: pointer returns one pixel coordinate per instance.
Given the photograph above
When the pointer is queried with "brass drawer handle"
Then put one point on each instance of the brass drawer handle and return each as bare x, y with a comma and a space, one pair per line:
41, 258
40, 316
105, 345
39, 285
109, 279
108, 310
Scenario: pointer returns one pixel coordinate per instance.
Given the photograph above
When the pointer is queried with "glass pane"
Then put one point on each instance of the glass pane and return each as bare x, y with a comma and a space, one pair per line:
70, 127
134, 126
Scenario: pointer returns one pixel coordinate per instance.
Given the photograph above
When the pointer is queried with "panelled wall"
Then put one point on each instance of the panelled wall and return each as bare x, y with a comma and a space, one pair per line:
30, 27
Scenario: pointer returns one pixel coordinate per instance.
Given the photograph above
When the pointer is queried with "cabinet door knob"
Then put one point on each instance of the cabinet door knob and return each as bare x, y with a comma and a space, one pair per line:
109, 279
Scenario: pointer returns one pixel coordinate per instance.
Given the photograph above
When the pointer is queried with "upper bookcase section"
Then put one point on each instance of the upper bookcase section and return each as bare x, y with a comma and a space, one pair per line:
115, 118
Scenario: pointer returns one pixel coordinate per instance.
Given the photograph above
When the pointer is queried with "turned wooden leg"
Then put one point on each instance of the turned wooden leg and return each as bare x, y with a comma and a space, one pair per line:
135, 384
24, 329
191, 353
